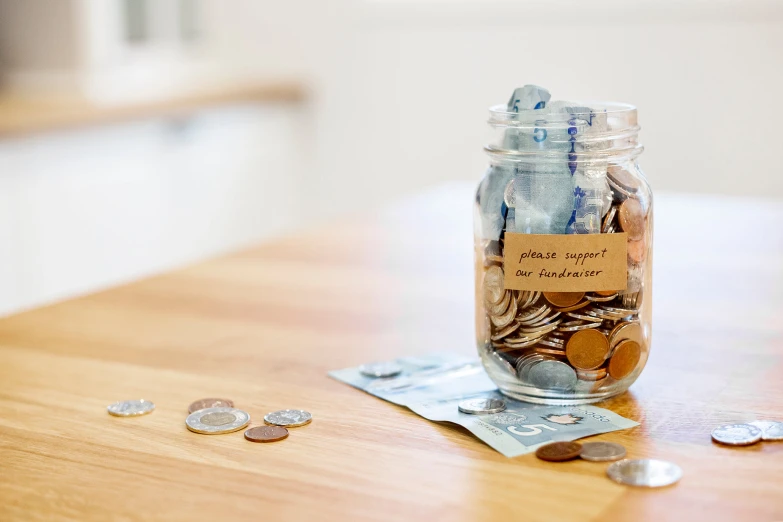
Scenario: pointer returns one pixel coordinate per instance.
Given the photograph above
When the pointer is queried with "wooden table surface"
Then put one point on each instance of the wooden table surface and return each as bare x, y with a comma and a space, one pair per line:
264, 326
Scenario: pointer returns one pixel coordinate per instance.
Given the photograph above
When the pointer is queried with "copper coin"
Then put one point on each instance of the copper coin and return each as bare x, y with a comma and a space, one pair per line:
266, 434
549, 351
637, 251
587, 349
559, 451
624, 178
626, 330
210, 403
631, 217
591, 375
625, 358
564, 299
605, 293
577, 306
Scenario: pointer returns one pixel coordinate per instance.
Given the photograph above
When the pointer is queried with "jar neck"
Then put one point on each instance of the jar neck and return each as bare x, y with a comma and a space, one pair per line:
589, 133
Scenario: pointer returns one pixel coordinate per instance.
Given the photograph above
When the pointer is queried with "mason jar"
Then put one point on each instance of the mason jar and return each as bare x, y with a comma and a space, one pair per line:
563, 253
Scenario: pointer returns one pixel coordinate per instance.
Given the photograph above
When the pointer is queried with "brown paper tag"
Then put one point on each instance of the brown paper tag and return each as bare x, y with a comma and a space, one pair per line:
565, 262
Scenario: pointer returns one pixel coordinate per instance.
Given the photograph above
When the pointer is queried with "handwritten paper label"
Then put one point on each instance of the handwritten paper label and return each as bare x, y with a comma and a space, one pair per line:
565, 262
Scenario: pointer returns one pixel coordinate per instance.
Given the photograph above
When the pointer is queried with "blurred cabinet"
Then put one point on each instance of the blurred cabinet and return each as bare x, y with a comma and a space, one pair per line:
92, 208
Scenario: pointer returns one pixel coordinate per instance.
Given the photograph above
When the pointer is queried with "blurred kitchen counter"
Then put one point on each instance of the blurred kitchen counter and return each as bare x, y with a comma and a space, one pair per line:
21, 116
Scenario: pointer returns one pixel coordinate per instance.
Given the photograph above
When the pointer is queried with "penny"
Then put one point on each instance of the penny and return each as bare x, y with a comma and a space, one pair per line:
210, 403
606, 293
587, 349
577, 306
631, 217
650, 473
288, 418
624, 359
623, 178
563, 299
737, 434
266, 434
493, 285
623, 331
602, 451
774, 432
559, 451
637, 251
215, 421
549, 351
132, 408
380, 369
594, 375
482, 406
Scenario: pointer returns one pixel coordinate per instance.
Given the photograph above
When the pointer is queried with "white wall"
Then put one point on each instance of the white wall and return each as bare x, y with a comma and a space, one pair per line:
402, 86
94, 208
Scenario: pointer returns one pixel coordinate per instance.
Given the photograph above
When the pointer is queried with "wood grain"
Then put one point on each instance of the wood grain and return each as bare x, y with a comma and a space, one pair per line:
263, 327
21, 116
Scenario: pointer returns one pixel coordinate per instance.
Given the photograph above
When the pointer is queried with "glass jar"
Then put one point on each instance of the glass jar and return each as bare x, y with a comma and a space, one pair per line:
563, 253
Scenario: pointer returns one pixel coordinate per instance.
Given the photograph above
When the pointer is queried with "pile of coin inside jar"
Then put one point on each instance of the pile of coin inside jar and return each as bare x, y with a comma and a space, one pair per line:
573, 341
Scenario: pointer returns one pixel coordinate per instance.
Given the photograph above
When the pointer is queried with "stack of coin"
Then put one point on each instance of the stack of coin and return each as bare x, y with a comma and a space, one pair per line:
573, 341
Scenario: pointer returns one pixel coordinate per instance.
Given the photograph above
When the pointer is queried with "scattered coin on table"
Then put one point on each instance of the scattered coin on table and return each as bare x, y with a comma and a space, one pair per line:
380, 369
210, 403
288, 418
215, 421
482, 406
737, 434
602, 451
650, 473
132, 408
266, 434
559, 451
773, 433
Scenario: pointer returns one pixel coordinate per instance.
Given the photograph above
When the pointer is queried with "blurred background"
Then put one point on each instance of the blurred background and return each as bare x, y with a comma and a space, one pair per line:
141, 135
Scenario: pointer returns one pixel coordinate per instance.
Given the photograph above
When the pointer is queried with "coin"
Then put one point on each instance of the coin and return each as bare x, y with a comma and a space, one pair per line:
631, 217
774, 432
563, 299
619, 176
608, 219
650, 473
502, 306
493, 285
626, 330
737, 434
503, 320
637, 251
577, 306
266, 434
288, 418
591, 375
587, 349
553, 375
210, 403
624, 359
762, 425
214, 421
380, 369
482, 406
132, 408
602, 451
559, 451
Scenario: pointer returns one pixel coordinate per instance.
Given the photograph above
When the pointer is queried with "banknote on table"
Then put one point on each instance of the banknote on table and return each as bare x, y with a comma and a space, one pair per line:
433, 385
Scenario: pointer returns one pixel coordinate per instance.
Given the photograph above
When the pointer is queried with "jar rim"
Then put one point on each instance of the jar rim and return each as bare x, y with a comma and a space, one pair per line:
501, 112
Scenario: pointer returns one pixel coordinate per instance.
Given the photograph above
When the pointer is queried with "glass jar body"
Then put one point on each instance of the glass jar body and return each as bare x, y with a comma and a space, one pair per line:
563, 347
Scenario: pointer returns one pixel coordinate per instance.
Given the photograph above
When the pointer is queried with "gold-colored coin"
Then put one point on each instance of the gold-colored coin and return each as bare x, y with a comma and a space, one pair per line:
623, 331
624, 359
631, 217
563, 299
587, 349
577, 306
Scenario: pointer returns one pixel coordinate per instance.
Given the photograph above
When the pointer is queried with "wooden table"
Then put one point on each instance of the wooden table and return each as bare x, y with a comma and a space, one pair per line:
264, 326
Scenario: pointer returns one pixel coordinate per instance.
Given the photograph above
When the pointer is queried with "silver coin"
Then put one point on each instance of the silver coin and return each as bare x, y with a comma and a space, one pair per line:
132, 408
774, 432
762, 425
380, 369
288, 418
650, 473
214, 421
602, 451
554, 375
482, 406
737, 434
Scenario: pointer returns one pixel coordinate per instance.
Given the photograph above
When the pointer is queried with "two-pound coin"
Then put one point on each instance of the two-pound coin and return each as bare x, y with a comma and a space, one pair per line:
266, 434
650, 473
288, 418
214, 421
482, 406
132, 408
737, 434
602, 451
559, 451
210, 403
